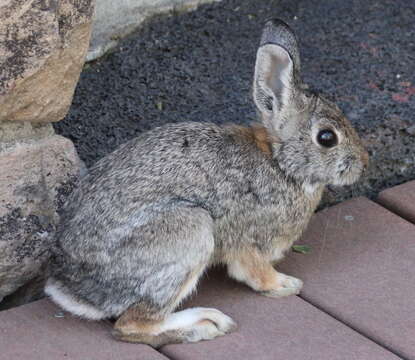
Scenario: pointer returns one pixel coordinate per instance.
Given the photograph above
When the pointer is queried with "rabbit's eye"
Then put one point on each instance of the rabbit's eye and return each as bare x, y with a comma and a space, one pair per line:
327, 138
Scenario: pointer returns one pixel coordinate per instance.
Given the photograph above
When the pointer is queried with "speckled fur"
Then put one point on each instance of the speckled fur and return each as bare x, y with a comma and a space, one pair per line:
184, 196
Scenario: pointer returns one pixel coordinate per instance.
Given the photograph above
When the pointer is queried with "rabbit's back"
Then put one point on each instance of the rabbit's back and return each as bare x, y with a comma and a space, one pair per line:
168, 165
200, 165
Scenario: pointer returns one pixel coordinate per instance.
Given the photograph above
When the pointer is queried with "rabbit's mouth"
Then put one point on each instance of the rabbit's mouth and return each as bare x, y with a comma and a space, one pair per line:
347, 175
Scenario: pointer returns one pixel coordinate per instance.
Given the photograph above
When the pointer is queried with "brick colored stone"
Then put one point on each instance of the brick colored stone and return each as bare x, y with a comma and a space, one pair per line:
34, 332
360, 269
400, 200
270, 329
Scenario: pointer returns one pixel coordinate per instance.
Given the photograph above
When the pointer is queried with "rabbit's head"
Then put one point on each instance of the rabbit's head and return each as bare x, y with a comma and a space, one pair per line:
315, 144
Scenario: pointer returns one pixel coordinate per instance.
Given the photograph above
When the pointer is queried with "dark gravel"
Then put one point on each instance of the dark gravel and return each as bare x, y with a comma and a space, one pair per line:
199, 66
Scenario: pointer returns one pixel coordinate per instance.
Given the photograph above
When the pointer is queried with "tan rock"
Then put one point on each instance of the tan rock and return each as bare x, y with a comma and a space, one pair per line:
42, 50
36, 174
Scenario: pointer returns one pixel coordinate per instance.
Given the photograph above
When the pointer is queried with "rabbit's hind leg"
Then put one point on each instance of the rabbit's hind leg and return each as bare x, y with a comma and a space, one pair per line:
190, 325
185, 237
163, 328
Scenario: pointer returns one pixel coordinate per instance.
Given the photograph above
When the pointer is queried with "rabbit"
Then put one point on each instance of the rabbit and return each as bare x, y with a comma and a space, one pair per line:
150, 218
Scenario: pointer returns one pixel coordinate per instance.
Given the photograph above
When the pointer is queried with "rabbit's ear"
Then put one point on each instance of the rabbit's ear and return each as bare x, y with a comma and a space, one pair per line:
276, 74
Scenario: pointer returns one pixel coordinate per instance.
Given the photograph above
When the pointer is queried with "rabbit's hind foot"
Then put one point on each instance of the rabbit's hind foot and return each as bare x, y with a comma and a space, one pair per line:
190, 325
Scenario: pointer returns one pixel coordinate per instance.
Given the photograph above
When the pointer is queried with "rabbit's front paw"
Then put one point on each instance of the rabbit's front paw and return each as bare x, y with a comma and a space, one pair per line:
288, 285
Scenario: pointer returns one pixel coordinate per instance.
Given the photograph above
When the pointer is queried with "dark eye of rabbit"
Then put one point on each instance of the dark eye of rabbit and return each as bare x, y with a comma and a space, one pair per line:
327, 138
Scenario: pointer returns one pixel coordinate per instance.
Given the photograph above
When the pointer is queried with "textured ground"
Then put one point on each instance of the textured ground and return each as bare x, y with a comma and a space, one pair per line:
199, 66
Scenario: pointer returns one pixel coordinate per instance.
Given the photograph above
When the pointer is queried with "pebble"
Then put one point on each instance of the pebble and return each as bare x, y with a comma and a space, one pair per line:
410, 130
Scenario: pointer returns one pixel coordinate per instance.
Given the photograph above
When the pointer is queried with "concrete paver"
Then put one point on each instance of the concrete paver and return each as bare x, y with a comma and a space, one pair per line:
269, 329
400, 200
34, 332
360, 271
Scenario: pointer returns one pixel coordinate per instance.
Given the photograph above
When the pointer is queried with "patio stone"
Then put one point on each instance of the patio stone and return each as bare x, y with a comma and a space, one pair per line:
400, 200
285, 328
360, 270
35, 331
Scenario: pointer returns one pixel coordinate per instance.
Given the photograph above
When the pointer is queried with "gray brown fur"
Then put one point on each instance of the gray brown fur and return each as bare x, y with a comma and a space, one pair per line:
185, 196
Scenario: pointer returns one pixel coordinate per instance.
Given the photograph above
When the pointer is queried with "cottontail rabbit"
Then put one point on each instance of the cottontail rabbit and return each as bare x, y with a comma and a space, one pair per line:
151, 217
